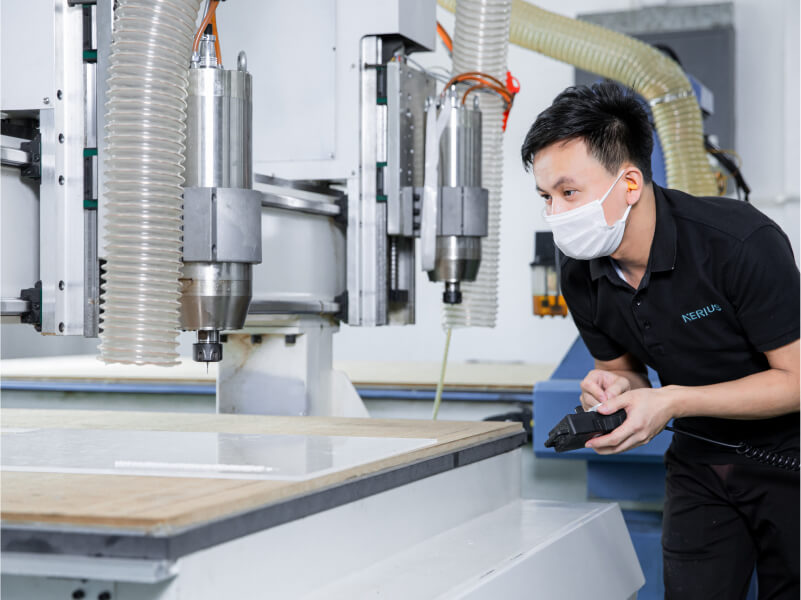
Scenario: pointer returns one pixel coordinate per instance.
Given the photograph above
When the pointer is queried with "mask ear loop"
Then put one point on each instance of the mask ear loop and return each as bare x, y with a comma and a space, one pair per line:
611, 187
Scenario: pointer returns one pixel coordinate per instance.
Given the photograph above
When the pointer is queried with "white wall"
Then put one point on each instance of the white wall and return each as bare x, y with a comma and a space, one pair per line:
767, 105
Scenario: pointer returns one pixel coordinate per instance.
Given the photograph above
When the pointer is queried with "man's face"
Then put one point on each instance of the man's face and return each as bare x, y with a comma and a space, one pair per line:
568, 177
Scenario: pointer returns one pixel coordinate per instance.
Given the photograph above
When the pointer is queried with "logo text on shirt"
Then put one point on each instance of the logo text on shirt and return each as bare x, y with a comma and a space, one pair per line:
705, 311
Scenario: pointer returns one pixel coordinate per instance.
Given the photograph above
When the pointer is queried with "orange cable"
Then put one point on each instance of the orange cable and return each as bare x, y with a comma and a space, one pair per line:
463, 77
480, 74
216, 38
206, 20
446, 39
482, 86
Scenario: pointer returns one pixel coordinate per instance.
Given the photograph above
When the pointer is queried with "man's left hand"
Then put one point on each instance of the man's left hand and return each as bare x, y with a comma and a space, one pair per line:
647, 413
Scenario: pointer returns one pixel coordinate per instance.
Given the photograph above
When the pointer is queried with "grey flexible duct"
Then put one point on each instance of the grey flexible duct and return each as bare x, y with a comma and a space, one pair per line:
635, 64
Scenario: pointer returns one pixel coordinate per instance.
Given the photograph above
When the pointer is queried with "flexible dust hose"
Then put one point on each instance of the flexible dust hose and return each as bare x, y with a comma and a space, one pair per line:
635, 64
480, 43
145, 131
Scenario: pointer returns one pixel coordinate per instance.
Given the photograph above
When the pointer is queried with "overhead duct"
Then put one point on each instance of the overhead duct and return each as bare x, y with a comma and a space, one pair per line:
635, 64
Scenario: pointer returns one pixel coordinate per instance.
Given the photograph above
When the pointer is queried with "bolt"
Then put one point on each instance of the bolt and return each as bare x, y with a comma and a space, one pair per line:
61, 285
46, 100
78, 594
61, 180
60, 138
61, 327
255, 339
59, 95
104, 596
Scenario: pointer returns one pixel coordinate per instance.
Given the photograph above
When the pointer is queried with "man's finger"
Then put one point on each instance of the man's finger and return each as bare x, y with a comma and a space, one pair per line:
628, 444
620, 386
613, 404
588, 401
593, 389
611, 439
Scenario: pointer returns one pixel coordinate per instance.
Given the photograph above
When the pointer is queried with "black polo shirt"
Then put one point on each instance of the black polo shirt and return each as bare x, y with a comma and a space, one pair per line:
721, 288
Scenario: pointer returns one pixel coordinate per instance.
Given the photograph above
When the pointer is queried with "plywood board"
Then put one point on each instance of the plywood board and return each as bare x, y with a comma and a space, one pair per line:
162, 504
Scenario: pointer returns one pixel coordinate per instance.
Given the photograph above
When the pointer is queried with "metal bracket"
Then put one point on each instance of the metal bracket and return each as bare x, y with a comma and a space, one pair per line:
341, 219
342, 300
34, 297
34, 147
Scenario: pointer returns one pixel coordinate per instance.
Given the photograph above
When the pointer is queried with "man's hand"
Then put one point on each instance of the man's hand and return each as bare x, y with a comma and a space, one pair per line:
647, 412
599, 386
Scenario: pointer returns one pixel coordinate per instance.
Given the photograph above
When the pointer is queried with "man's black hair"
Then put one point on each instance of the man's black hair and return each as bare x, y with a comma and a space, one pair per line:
608, 117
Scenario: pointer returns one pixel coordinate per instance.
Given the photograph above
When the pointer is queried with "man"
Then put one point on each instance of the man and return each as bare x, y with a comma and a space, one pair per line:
705, 291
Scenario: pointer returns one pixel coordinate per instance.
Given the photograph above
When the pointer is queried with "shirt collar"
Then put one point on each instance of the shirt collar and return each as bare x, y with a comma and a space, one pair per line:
663, 247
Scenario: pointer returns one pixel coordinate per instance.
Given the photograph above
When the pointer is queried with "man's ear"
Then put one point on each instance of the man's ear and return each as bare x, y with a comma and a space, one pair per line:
634, 184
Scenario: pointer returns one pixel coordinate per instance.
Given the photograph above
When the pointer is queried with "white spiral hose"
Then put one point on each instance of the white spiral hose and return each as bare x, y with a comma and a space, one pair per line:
480, 43
145, 131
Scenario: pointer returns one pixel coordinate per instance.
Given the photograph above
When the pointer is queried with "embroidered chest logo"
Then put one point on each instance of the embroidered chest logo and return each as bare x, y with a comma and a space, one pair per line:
705, 311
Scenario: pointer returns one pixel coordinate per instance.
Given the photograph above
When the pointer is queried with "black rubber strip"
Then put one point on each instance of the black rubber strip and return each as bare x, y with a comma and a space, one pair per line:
174, 545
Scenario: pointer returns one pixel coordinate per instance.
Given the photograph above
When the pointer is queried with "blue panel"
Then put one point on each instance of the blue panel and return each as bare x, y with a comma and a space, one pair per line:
576, 363
430, 394
107, 387
636, 481
645, 529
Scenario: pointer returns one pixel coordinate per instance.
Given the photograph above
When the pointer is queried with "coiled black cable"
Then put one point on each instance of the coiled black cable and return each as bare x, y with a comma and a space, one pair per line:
774, 459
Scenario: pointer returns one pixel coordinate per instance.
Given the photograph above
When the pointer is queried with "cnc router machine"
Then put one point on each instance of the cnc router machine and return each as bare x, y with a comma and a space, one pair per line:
257, 172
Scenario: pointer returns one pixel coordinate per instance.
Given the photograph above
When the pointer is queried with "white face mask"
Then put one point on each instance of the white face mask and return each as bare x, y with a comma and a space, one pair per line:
583, 233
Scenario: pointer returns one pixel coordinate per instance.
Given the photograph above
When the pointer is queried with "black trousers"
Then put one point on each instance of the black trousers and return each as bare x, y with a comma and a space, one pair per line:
720, 521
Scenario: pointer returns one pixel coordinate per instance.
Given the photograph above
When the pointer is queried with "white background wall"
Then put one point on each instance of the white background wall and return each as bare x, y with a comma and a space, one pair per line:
767, 113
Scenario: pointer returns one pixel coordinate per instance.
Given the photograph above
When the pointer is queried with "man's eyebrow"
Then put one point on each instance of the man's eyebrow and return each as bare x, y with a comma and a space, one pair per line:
561, 181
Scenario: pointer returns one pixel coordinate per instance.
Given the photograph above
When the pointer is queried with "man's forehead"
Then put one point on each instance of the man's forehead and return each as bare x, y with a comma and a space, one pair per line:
562, 162
562, 151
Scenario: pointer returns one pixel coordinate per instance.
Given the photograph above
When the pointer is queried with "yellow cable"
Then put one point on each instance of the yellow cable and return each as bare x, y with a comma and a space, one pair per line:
441, 383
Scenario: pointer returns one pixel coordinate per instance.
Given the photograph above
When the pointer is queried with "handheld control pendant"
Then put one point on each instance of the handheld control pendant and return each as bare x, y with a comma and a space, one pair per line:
573, 431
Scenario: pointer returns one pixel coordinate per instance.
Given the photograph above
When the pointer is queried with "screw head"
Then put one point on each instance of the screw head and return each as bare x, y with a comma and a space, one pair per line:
59, 95
61, 285
61, 180
46, 100
61, 327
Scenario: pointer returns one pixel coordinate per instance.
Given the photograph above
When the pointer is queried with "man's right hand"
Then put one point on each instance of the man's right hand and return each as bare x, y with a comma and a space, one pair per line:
599, 385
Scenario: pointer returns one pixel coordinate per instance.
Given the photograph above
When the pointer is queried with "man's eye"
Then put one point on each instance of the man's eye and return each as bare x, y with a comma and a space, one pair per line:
546, 197
568, 193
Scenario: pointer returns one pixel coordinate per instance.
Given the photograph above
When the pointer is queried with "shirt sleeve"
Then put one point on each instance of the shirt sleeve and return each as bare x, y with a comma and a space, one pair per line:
764, 289
576, 289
